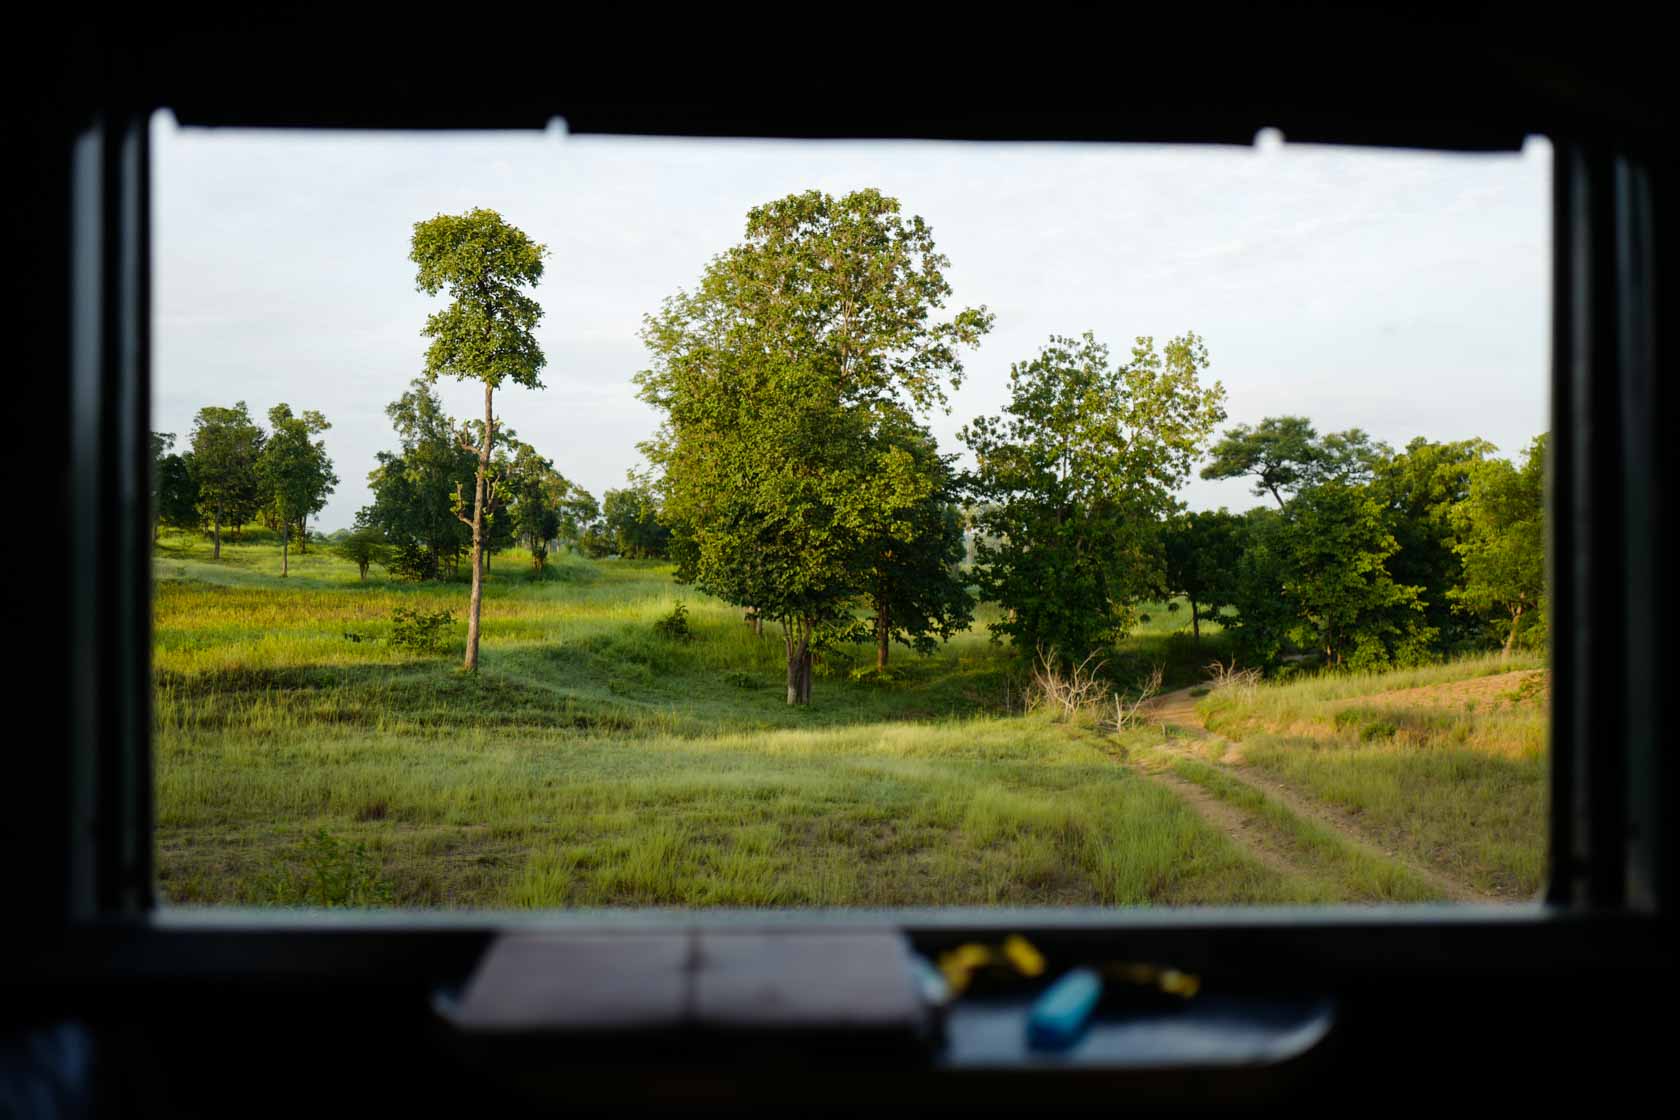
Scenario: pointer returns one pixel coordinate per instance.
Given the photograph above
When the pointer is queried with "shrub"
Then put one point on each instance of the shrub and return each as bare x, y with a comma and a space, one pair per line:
409, 561
739, 679
869, 674
674, 626
421, 631
333, 873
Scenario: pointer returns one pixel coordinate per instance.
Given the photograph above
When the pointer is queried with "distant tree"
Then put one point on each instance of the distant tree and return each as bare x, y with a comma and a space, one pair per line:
1332, 551
769, 375
534, 501
161, 443
1419, 488
912, 541
1077, 473
226, 445
1285, 453
1266, 624
363, 546
177, 493
1501, 540
576, 509
1202, 551
295, 471
596, 541
632, 517
486, 334
414, 487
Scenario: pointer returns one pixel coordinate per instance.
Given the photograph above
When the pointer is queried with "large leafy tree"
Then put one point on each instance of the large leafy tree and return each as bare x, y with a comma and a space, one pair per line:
1077, 474
771, 374
295, 471
414, 486
226, 445
912, 541
1501, 540
1331, 557
486, 334
1419, 488
1285, 453
1202, 551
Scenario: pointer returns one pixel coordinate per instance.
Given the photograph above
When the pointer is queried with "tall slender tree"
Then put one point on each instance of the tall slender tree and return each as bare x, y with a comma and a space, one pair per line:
486, 334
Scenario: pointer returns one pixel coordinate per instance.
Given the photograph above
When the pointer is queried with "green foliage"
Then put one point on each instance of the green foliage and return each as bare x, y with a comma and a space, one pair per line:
1076, 476
295, 471
364, 547
226, 446
632, 521
776, 377
1202, 551
325, 871
1419, 489
912, 541
1501, 541
175, 498
483, 264
1285, 453
1315, 576
674, 626
421, 631
413, 486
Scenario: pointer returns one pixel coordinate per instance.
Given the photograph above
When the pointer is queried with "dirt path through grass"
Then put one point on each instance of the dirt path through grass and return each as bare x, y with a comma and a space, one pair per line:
1178, 709
1235, 824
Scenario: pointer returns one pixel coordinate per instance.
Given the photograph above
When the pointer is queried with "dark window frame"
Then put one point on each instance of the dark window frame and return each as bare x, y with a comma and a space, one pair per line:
1609, 886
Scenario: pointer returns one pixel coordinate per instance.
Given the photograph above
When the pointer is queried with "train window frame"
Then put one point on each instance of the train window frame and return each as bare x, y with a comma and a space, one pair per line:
1608, 872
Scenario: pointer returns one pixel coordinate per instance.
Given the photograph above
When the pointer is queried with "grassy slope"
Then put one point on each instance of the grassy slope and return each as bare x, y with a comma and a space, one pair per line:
593, 763
1463, 788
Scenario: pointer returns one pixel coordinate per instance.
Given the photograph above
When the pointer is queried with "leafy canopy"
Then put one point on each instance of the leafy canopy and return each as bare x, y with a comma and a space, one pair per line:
483, 264
1075, 477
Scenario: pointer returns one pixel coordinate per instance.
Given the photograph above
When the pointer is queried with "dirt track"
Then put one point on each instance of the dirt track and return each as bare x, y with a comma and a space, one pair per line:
1178, 709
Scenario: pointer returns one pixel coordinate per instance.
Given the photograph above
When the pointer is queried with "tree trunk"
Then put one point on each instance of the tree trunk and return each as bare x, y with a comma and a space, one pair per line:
285, 542
797, 635
303, 536
1195, 620
474, 603
1276, 495
883, 634
1516, 617
216, 532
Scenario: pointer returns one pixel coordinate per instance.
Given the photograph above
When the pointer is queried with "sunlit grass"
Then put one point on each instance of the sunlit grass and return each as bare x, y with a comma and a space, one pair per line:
1459, 783
593, 762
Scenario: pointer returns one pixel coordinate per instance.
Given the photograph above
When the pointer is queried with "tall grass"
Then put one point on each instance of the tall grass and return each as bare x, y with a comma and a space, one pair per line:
593, 761
1460, 785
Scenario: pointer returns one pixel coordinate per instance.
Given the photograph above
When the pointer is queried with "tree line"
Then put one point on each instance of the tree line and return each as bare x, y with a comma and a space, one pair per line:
233, 471
798, 478
794, 473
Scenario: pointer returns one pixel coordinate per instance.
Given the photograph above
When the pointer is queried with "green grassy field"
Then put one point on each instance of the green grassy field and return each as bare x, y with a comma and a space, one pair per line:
302, 759
1445, 763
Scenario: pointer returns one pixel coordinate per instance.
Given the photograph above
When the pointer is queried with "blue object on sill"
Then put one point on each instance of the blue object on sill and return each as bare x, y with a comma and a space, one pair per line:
1058, 1017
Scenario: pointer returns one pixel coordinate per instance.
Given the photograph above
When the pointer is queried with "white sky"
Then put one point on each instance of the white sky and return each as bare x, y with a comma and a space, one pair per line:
1402, 292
